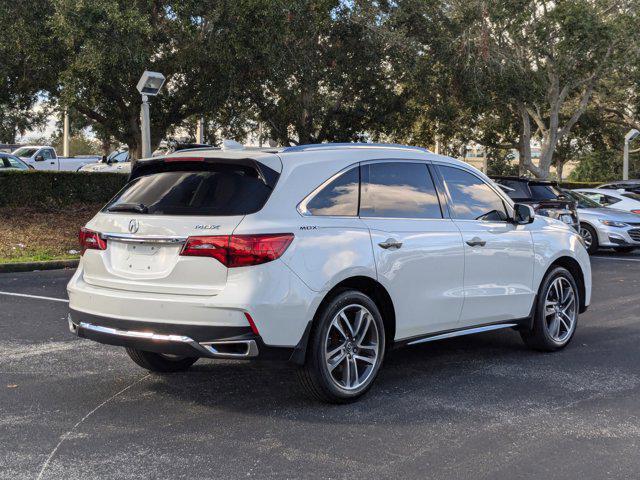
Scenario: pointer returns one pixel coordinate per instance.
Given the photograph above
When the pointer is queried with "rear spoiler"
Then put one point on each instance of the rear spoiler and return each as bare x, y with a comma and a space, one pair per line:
199, 163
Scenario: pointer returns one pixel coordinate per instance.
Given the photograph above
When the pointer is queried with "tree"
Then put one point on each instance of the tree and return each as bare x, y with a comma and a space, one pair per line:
111, 42
325, 75
28, 52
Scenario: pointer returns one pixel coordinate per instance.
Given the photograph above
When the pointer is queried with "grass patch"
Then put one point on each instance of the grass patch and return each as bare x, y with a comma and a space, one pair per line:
31, 234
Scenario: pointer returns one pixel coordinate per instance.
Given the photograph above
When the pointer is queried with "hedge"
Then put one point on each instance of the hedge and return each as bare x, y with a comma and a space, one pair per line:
56, 189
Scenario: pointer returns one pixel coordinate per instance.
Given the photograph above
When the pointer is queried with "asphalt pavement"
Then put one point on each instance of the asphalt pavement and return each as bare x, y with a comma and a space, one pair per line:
480, 407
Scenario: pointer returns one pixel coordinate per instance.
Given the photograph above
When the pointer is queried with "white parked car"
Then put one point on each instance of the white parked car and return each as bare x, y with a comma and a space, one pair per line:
618, 199
44, 157
323, 255
118, 161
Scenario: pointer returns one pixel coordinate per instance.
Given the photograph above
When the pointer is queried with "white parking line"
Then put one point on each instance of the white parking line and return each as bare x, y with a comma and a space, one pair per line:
12, 294
619, 259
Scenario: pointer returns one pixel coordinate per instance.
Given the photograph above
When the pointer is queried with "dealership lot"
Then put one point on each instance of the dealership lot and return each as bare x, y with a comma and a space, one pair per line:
474, 407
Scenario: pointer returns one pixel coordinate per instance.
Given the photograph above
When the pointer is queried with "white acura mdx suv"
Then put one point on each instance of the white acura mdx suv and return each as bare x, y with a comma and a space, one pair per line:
324, 255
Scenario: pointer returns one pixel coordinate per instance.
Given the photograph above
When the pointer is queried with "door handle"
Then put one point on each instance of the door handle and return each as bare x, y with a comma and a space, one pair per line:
476, 242
390, 243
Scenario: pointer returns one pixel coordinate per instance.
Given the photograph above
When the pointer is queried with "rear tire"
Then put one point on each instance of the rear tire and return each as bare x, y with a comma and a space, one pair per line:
590, 236
556, 314
346, 348
158, 362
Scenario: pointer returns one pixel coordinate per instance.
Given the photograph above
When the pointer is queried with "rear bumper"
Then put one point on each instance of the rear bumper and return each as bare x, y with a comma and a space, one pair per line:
176, 339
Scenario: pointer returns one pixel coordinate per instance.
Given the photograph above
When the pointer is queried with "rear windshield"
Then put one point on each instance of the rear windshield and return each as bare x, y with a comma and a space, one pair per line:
544, 192
221, 190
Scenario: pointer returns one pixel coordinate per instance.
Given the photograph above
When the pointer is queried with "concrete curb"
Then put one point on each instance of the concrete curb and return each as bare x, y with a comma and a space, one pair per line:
31, 266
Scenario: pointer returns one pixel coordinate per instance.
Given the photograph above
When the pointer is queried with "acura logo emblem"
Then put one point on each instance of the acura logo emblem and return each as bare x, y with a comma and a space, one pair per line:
134, 226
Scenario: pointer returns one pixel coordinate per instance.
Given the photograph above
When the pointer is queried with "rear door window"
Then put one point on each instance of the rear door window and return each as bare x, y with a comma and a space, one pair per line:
398, 190
220, 190
471, 198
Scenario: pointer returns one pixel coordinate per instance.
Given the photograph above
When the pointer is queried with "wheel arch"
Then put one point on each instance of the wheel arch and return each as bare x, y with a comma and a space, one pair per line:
575, 269
370, 287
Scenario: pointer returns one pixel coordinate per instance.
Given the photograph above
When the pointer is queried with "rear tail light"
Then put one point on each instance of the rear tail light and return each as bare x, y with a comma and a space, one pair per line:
239, 250
90, 240
635, 211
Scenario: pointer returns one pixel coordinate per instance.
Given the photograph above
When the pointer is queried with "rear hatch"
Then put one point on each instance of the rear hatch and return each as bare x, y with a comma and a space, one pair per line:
166, 201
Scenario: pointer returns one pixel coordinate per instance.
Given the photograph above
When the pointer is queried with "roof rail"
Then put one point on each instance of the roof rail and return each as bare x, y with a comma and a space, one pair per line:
329, 146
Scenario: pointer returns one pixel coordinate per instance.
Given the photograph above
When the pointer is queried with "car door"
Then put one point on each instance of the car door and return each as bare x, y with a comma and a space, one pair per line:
499, 255
49, 161
419, 254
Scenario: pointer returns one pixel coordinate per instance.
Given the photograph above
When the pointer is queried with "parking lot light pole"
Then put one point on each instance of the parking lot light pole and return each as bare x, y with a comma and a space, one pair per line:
631, 134
149, 84
65, 133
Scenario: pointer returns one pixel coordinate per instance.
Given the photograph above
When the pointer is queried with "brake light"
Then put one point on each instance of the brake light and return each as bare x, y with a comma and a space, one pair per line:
90, 240
239, 250
635, 211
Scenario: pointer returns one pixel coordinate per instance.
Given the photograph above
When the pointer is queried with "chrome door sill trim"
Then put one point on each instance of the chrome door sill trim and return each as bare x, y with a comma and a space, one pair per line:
460, 333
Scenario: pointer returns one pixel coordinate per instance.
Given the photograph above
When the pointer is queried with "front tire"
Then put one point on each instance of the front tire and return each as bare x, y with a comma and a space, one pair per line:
556, 314
590, 237
161, 363
346, 348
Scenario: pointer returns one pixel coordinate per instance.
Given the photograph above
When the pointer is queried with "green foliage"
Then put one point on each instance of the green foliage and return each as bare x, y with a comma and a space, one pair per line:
29, 56
57, 189
604, 165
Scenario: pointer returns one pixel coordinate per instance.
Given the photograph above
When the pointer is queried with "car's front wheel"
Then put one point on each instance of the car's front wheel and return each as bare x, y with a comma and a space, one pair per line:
556, 314
160, 362
345, 350
590, 237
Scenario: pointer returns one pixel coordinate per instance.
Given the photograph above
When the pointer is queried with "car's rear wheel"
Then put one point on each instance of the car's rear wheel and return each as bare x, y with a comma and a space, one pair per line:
346, 349
160, 362
590, 237
556, 314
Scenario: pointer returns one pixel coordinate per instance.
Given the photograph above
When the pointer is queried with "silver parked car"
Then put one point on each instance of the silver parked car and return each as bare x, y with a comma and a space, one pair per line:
606, 227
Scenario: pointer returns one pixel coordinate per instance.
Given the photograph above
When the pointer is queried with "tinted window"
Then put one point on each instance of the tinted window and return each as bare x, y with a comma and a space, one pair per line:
472, 199
339, 197
632, 196
544, 192
398, 190
25, 152
520, 190
219, 190
47, 154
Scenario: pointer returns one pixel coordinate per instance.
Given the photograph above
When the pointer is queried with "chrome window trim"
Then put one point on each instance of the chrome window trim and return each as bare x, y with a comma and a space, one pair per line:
302, 206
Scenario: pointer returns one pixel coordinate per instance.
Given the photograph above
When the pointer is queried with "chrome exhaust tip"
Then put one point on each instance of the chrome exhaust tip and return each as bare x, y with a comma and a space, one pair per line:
232, 348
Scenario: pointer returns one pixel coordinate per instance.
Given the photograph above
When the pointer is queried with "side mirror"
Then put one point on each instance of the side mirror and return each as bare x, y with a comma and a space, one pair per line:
524, 214
39, 158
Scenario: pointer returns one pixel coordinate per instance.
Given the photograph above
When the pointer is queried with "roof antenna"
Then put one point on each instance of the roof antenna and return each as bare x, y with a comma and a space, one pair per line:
231, 145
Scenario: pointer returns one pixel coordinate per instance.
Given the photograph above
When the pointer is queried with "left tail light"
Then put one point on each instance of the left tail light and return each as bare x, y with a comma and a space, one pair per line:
90, 240
239, 250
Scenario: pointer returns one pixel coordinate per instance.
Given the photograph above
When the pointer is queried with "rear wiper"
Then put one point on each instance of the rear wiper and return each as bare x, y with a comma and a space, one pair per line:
129, 207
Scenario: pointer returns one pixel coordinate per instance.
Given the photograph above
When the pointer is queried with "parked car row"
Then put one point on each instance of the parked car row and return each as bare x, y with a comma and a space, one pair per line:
605, 218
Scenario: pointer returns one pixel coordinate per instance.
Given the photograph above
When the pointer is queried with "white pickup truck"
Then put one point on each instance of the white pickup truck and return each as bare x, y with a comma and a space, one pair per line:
44, 157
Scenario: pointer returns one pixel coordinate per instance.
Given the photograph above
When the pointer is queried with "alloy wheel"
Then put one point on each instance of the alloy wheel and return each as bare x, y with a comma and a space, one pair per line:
560, 310
352, 347
586, 235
